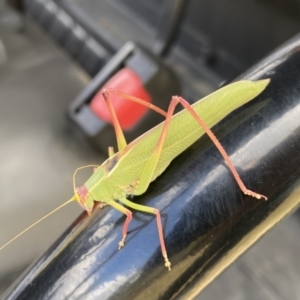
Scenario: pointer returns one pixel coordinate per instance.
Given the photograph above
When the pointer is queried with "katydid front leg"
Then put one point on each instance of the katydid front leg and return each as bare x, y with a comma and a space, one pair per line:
128, 214
150, 210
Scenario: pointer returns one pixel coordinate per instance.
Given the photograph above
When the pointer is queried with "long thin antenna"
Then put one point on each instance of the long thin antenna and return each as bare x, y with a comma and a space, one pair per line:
38, 221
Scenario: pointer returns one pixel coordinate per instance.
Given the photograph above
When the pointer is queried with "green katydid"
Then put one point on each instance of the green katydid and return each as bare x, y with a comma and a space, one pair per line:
136, 165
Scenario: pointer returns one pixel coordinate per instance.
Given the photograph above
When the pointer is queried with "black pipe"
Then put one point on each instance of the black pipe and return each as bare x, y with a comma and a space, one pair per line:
208, 222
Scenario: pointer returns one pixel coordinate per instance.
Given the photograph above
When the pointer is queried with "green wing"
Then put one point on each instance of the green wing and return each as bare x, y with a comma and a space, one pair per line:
183, 132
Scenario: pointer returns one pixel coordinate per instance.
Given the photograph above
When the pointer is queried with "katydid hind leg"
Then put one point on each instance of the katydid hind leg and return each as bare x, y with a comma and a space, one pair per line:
214, 139
156, 212
147, 174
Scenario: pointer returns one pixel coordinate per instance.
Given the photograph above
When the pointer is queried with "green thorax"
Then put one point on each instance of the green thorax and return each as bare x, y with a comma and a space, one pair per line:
100, 188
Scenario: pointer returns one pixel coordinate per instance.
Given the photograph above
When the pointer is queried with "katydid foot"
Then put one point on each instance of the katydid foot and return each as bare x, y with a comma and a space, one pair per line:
254, 194
122, 242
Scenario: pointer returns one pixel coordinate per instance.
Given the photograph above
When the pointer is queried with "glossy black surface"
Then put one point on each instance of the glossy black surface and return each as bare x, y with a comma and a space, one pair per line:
208, 222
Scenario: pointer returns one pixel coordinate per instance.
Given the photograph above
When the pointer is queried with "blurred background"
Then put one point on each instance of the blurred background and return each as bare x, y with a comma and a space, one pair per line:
56, 55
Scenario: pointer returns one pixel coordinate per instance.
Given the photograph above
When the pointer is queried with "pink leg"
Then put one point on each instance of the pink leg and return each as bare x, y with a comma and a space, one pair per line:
121, 141
235, 174
126, 212
125, 228
154, 211
162, 240
147, 174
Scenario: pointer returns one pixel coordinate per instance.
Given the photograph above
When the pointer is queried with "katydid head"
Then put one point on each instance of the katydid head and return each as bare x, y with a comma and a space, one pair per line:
84, 198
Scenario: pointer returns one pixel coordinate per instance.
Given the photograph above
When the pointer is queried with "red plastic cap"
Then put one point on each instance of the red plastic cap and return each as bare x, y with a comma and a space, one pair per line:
128, 112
